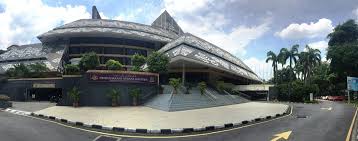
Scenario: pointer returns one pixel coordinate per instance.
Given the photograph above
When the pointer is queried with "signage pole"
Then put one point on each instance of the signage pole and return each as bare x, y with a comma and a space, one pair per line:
349, 98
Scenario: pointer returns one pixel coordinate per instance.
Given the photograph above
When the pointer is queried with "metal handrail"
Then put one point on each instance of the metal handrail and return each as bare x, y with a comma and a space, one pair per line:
210, 96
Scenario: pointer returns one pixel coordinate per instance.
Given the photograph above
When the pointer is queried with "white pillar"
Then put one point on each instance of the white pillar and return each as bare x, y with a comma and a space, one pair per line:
183, 74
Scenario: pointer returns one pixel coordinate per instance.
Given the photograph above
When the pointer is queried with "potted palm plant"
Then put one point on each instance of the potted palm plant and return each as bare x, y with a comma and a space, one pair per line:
175, 83
74, 94
202, 87
114, 94
135, 93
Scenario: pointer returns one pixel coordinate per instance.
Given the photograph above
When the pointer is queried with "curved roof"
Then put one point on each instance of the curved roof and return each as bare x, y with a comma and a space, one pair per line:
110, 27
196, 48
27, 54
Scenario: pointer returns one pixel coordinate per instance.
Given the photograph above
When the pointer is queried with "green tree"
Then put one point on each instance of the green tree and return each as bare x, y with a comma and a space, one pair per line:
157, 62
309, 60
38, 69
343, 52
282, 56
89, 61
10, 72
291, 55
19, 71
137, 61
71, 69
271, 56
323, 78
175, 83
113, 65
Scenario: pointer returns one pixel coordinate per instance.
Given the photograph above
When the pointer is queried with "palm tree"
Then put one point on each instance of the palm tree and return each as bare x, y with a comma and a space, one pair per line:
282, 56
271, 56
292, 55
308, 60
313, 59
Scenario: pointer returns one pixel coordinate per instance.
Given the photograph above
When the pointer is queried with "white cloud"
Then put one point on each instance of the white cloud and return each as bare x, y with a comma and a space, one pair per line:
22, 21
321, 45
210, 25
312, 30
355, 13
260, 67
103, 16
131, 16
184, 6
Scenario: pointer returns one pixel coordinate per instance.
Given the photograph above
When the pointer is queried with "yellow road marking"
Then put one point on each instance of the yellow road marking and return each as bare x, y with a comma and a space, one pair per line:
348, 138
283, 135
163, 137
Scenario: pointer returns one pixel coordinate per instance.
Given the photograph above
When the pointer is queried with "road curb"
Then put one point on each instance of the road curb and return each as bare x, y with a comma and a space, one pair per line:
157, 131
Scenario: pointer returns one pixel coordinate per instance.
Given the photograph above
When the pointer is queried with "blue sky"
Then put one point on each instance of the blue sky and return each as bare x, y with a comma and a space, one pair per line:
245, 28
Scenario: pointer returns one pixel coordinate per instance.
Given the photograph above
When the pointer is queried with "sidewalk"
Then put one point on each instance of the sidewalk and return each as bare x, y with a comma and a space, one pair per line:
148, 118
31, 106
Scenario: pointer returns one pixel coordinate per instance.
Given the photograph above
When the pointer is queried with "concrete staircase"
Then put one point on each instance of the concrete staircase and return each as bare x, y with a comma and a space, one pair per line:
194, 100
160, 102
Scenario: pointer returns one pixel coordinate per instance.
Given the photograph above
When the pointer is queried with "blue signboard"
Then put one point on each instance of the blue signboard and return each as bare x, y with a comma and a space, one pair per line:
352, 83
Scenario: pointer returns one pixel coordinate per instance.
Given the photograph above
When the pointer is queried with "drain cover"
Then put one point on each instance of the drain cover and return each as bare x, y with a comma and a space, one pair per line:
301, 116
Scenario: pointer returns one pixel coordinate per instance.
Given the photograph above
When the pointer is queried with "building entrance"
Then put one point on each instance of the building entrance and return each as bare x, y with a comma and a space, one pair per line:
44, 94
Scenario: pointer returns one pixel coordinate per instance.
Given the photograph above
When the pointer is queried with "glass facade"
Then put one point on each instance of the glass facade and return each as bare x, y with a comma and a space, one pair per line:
109, 48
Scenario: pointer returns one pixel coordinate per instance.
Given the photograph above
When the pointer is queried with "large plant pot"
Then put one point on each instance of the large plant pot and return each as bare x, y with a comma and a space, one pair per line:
114, 104
75, 104
135, 102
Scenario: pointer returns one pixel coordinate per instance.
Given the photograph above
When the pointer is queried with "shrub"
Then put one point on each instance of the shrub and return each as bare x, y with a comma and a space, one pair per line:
220, 86
202, 87
137, 61
18, 71
299, 91
114, 94
71, 69
113, 65
89, 61
135, 93
157, 62
4, 98
37, 70
175, 83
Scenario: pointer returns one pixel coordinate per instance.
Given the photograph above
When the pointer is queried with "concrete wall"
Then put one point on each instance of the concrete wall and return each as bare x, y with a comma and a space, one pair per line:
92, 93
16, 88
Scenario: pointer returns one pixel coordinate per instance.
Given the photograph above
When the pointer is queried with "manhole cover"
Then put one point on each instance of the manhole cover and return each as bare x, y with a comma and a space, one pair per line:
106, 138
301, 116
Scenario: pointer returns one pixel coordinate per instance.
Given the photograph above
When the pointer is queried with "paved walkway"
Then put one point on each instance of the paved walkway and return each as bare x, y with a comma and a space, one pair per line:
148, 118
31, 106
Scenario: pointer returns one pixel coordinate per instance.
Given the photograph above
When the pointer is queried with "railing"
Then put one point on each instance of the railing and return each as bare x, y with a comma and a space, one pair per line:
171, 98
210, 96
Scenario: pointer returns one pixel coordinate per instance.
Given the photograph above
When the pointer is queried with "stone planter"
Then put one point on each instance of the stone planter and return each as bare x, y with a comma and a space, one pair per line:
5, 104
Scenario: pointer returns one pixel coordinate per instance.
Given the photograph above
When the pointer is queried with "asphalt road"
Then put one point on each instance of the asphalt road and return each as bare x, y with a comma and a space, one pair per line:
320, 125
19, 128
328, 121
